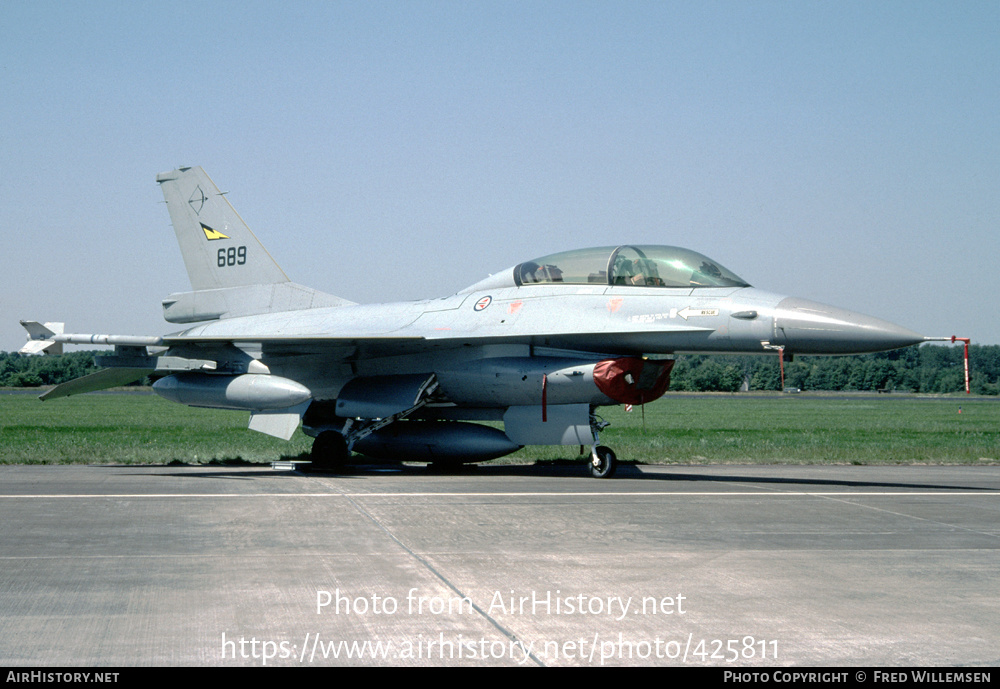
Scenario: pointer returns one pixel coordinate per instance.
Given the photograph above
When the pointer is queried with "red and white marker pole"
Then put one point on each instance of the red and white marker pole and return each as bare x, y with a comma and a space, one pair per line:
965, 340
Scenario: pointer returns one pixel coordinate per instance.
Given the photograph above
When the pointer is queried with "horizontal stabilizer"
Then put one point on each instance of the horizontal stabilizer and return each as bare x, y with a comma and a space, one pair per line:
251, 300
102, 380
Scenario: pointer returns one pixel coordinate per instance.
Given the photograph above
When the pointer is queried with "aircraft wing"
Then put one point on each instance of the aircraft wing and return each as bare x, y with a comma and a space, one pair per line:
138, 356
340, 347
354, 347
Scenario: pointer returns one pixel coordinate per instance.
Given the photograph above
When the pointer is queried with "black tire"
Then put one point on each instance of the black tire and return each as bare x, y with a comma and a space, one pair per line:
329, 451
605, 465
450, 467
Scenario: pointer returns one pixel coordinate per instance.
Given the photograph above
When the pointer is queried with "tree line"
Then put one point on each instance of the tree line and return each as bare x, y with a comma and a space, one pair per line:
928, 368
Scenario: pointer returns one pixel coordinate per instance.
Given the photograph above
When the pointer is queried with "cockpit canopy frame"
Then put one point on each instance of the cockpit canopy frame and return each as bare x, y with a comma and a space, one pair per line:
628, 265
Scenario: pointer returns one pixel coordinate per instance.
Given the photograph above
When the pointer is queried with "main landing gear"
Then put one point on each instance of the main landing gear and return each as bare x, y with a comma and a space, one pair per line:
329, 451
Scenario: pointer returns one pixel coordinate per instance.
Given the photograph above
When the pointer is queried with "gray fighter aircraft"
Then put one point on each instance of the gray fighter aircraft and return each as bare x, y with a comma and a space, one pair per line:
538, 346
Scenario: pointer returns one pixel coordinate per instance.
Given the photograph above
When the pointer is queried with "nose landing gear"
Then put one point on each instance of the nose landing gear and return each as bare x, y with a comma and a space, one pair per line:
603, 462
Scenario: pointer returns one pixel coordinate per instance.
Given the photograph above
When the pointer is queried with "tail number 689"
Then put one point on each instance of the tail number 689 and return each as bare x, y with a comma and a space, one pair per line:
233, 256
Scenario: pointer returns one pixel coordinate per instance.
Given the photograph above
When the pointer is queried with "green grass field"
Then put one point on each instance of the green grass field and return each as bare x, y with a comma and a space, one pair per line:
137, 428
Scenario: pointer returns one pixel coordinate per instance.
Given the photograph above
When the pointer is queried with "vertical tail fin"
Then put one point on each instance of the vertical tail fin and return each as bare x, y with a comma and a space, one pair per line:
231, 272
219, 249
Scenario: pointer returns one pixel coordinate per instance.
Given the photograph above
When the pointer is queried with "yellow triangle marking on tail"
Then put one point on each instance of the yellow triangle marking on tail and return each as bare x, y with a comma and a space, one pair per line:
212, 234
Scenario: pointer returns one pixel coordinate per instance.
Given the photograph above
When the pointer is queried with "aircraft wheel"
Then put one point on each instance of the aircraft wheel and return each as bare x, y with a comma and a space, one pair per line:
603, 462
329, 451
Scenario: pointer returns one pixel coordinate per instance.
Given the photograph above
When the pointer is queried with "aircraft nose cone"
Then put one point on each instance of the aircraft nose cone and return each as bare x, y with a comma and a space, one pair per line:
809, 327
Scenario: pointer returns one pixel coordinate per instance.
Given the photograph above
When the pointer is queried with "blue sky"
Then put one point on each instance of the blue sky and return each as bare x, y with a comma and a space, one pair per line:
841, 151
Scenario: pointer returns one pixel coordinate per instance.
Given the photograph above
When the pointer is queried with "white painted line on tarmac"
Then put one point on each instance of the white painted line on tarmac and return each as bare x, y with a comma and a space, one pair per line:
523, 494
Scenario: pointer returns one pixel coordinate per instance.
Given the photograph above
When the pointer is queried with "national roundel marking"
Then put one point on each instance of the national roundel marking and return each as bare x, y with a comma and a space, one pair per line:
483, 303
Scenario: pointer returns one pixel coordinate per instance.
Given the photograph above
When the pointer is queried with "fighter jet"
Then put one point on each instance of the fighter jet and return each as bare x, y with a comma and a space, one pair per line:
536, 348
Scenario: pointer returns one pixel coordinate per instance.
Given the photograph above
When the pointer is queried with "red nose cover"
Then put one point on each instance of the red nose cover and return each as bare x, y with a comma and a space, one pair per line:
632, 380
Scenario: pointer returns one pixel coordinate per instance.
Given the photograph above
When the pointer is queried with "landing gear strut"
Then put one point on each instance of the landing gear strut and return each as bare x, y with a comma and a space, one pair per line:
603, 461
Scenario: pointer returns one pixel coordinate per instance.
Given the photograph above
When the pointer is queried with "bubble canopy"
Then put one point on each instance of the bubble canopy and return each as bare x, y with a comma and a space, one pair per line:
628, 265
